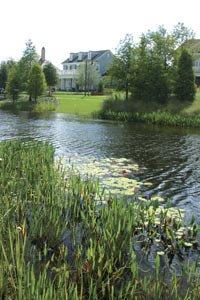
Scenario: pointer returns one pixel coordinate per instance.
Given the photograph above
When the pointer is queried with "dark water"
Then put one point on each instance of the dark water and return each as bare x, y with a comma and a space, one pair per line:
169, 158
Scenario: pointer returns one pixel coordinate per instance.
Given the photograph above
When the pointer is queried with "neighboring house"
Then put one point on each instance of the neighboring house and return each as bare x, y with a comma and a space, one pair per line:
193, 46
68, 76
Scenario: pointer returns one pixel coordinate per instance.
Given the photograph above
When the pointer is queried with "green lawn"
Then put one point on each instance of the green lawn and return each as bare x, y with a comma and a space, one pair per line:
79, 104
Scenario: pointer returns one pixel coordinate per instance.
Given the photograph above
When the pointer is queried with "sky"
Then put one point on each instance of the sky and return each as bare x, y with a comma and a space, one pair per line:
64, 26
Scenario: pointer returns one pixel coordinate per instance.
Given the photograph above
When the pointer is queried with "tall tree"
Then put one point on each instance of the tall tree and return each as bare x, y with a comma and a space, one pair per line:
51, 76
185, 83
122, 69
181, 34
28, 59
36, 82
13, 85
150, 82
162, 44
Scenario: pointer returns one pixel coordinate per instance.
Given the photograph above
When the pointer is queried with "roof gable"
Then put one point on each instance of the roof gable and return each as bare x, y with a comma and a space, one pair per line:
95, 55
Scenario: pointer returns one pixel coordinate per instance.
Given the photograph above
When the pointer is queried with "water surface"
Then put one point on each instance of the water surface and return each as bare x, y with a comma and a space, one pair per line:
167, 157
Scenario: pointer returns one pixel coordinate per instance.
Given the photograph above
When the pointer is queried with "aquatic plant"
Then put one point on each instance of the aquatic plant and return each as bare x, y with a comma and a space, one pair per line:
58, 242
157, 118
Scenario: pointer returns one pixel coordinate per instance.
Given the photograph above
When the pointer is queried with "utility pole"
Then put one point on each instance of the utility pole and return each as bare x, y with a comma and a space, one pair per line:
86, 66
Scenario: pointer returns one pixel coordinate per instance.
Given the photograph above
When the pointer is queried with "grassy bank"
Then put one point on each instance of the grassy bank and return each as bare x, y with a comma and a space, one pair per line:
57, 241
79, 104
157, 118
43, 104
173, 113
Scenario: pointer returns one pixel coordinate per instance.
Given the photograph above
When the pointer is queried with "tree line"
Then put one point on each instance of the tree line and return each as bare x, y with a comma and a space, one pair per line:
156, 67
27, 75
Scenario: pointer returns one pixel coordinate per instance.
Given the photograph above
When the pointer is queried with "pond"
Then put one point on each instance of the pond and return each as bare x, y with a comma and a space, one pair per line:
168, 158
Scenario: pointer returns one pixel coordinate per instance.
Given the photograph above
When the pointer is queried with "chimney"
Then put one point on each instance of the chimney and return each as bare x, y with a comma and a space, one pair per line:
43, 54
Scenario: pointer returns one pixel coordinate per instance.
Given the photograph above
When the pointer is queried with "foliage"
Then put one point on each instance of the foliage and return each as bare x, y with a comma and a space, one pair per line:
13, 85
181, 34
150, 83
51, 75
157, 118
100, 87
28, 59
36, 82
43, 105
185, 83
148, 69
60, 238
5, 67
122, 68
88, 76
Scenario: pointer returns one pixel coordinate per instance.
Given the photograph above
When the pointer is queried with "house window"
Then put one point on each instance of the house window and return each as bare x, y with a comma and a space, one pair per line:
70, 67
75, 67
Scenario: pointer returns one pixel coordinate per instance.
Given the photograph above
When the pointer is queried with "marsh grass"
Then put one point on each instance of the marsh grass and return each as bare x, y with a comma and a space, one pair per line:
58, 242
43, 105
173, 113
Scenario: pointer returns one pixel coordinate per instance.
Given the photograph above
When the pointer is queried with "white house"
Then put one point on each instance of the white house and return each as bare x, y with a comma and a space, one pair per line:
68, 76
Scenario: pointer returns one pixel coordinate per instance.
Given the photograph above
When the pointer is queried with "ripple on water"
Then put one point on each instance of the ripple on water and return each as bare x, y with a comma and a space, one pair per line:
166, 157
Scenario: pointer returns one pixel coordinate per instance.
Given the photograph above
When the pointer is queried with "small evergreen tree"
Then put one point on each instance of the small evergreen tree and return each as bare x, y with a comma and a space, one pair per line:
28, 59
185, 82
36, 82
51, 76
13, 85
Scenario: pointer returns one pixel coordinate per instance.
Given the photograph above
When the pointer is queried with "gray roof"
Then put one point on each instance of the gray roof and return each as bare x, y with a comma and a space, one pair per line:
95, 56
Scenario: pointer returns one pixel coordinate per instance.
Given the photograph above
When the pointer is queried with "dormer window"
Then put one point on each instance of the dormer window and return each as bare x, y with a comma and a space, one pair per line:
71, 56
80, 55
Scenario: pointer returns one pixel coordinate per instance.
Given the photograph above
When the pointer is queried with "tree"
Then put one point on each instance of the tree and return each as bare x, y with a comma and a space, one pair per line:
5, 67
88, 76
181, 34
122, 68
13, 85
28, 59
150, 82
3, 75
51, 76
185, 83
162, 44
36, 82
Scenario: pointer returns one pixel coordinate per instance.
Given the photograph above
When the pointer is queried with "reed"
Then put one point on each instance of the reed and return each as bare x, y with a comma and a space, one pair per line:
59, 240
157, 118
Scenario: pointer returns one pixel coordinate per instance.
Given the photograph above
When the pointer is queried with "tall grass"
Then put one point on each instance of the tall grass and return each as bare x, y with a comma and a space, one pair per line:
44, 104
59, 241
172, 113
157, 118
